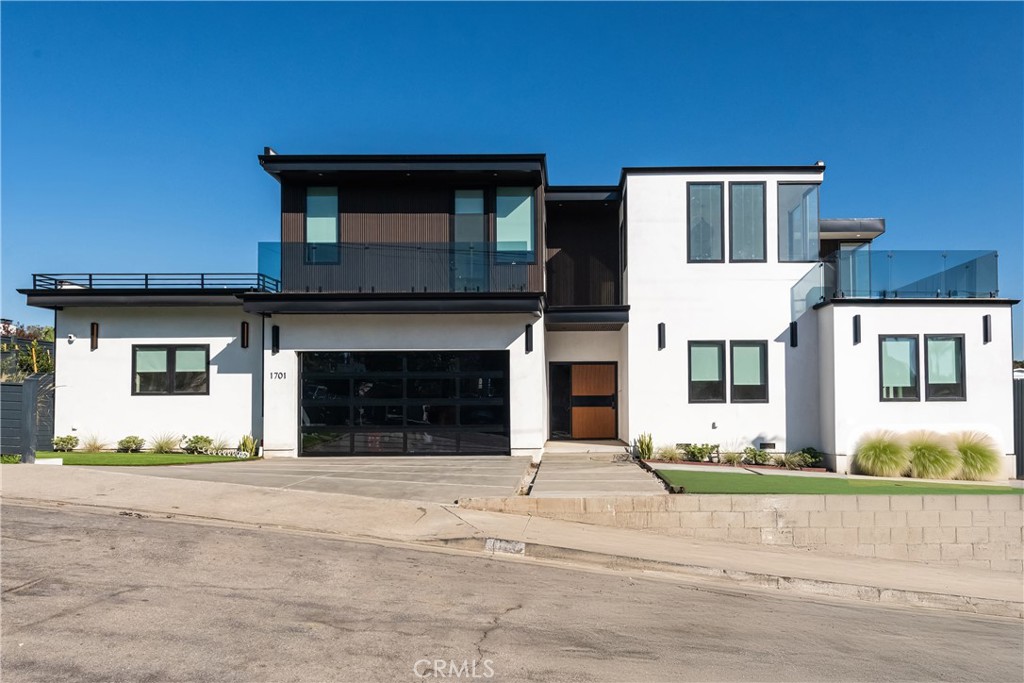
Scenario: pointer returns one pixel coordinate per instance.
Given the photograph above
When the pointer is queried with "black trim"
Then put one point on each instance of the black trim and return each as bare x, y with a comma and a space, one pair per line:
917, 368
721, 222
856, 329
171, 359
849, 228
721, 368
764, 224
302, 302
587, 314
48, 298
778, 224
600, 401
945, 301
986, 328
763, 346
962, 368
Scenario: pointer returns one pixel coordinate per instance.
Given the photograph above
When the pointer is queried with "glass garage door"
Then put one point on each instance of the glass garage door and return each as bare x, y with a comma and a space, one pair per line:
408, 402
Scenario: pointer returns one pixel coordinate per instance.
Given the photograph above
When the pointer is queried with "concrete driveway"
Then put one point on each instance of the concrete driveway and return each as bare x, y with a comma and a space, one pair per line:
423, 478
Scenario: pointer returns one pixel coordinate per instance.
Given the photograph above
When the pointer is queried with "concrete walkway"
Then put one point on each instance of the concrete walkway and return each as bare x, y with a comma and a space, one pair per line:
518, 537
575, 475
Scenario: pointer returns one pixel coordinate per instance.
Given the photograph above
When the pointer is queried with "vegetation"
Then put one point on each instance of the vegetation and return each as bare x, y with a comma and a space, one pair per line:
94, 444
699, 452
703, 481
131, 444
8, 459
756, 456
643, 446
815, 458
979, 457
165, 443
881, 454
794, 461
220, 445
134, 459
732, 458
668, 452
65, 443
248, 445
930, 456
197, 444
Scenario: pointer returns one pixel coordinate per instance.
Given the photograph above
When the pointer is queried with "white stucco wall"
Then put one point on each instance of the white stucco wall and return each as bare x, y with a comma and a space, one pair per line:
989, 388
594, 346
330, 332
93, 388
711, 301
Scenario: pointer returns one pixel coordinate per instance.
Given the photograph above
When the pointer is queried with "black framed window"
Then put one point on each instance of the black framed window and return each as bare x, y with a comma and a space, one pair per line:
514, 224
944, 367
707, 371
898, 363
749, 371
746, 223
704, 223
171, 369
322, 225
798, 222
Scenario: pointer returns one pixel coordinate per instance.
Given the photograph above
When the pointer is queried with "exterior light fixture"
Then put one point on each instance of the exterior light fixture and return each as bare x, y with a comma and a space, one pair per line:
94, 336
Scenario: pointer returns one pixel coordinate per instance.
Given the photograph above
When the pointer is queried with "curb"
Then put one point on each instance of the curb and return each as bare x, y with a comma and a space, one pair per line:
787, 584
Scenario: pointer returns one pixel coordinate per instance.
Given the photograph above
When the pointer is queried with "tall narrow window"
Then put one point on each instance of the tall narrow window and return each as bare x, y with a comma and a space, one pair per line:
514, 223
898, 368
944, 367
470, 255
707, 372
704, 223
798, 222
749, 371
746, 222
322, 225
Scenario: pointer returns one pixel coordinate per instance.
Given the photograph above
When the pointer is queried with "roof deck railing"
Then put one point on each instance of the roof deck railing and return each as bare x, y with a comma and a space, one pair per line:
255, 282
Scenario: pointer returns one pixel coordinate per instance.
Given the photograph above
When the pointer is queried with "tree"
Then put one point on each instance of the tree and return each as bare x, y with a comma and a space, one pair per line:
9, 328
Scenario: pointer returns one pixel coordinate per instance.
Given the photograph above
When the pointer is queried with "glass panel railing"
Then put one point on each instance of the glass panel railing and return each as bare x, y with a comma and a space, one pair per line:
411, 267
808, 291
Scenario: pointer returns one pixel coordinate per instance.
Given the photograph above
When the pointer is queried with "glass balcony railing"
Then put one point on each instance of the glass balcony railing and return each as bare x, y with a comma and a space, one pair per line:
866, 274
400, 268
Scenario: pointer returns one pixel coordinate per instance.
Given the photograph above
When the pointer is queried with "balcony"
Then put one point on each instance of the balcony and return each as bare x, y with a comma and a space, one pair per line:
236, 282
417, 268
866, 274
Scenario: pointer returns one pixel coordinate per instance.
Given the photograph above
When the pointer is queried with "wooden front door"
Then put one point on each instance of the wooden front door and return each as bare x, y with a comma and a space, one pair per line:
583, 401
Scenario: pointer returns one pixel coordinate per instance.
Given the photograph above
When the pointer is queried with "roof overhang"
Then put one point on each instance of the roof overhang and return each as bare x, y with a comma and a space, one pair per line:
504, 165
851, 228
302, 302
68, 298
582, 193
579, 318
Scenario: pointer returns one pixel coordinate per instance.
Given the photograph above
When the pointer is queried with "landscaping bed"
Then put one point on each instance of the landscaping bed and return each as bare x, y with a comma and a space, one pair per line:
136, 459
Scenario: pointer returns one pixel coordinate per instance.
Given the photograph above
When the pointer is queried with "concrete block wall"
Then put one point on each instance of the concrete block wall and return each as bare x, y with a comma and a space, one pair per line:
984, 531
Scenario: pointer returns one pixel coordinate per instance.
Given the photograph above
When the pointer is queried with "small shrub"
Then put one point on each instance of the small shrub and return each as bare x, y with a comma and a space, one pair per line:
249, 446
699, 452
794, 461
198, 444
756, 456
10, 459
669, 453
94, 444
881, 454
732, 458
221, 445
979, 457
815, 458
165, 443
65, 443
931, 456
643, 446
131, 444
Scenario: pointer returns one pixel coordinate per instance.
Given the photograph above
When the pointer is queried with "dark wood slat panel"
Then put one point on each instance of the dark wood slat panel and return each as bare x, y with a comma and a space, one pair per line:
593, 423
593, 380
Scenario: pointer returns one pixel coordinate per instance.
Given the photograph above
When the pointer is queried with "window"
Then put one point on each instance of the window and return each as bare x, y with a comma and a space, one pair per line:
798, 222
707, 372
944, 367
515, 223
898, 368
171, 369
322, 225
746, 222
749, 371
704, 224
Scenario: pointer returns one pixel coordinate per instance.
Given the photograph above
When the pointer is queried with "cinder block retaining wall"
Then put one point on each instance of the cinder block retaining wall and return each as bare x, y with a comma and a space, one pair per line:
967, 531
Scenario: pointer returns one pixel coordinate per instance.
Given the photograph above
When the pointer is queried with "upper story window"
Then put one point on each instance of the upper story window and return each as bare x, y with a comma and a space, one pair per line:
704, 223
746, 222
514, 223
798, 222
944, 367
171, 369
322, 233
898, 367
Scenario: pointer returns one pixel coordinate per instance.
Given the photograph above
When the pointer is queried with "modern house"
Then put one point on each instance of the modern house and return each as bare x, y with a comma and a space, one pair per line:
443, 304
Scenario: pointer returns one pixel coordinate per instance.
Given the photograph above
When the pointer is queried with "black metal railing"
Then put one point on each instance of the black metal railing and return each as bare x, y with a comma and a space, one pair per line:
253, 282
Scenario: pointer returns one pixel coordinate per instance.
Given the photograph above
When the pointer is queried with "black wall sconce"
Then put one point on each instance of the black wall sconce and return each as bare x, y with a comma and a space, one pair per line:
986, 328
244, 335
661, 336
856, 330
529, 338
275, 339
792, 334
94, 336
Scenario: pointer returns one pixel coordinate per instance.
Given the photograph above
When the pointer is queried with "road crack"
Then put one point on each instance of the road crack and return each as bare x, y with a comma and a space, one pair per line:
493, 626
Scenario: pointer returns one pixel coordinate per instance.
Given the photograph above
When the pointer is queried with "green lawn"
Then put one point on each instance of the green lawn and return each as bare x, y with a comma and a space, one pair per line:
133, 459
734, 482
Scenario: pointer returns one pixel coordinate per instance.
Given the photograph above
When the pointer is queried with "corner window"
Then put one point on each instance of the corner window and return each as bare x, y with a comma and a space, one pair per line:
322, 233
798, 222
707, 372
898, 368
704, 223
944, 367
177, 369
746, 222
749, 371
514, 223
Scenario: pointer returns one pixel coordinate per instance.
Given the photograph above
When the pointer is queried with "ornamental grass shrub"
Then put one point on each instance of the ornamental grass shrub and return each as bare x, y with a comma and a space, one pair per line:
881, 454
979, 456
94, 444
643, 446
669, 453
931, 455
165, 443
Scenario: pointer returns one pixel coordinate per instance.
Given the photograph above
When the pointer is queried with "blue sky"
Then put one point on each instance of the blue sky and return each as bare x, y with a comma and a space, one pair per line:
130, 130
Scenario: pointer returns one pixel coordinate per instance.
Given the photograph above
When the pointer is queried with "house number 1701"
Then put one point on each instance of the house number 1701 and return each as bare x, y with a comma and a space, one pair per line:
277, 375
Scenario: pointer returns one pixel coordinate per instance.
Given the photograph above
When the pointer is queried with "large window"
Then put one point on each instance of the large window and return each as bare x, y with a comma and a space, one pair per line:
704, 223
707, 372
171, 369
749, 371
322, 225
746, 222
798, 222
898, 368
944, 367
470, 256
514, 223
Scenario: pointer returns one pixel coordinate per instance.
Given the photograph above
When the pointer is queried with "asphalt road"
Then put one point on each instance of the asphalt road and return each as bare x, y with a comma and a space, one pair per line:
100, 596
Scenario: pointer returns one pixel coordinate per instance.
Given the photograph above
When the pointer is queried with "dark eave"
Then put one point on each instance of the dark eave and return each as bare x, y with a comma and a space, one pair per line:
276, 164
571, 318
934, 301
302, 302
65, 298
582, 193
851, 228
